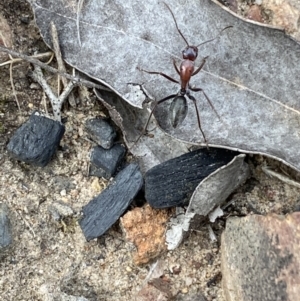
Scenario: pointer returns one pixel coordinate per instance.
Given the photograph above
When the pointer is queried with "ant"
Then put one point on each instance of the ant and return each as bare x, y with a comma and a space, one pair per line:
186, 70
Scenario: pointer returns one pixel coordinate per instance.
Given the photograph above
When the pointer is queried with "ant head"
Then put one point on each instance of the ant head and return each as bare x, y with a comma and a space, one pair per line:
190, 53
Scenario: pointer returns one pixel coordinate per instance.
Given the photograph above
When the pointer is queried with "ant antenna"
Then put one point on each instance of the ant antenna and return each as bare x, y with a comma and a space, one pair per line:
168, 7
230, 26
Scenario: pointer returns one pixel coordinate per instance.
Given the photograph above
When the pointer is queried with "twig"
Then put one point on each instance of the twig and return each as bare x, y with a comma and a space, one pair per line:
37, 75
266, 169
53, 70
68, 89
45, 103
13, 85
56, 102
37, 56
11, 77
79, 8
60, 62
26, 222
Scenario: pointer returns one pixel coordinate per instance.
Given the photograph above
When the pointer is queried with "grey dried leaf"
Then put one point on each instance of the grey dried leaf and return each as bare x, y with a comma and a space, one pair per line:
251, 75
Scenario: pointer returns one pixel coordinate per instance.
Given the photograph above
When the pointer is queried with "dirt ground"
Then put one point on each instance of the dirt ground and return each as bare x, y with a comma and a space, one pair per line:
48, 260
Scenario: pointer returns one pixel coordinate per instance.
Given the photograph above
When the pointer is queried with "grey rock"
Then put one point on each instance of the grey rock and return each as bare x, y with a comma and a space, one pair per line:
101, 132
172, 183
105, 162
260, 258
59, 210
105, 209
191, 297
36, 140
5, 227
59, 183
65, 297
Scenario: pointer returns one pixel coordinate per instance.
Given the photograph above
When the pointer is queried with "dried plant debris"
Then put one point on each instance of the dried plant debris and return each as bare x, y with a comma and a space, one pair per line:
5, 37
209, 194
65, 217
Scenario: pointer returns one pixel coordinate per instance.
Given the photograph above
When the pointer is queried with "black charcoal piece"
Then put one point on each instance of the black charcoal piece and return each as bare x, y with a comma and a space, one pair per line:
104, 162
172, 183
101, 132
105, 209
36, 140
5, 228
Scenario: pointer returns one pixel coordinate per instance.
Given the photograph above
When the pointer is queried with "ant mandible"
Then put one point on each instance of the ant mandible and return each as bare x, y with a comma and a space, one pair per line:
178, 107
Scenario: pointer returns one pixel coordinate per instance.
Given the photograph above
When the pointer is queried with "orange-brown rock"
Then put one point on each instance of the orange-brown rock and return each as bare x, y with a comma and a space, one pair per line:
254, 13
151, 293
146, 227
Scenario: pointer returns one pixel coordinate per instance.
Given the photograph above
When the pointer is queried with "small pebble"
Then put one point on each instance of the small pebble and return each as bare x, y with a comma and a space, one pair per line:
63, 192
101, 132
128, 269
185, 290
34, 86
104, 162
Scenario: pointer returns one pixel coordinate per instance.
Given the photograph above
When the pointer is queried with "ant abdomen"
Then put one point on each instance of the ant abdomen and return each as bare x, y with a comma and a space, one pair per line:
178, 110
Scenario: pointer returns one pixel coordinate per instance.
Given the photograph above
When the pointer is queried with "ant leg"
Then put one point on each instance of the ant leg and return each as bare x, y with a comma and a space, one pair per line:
198, 117
200, 67
162, 74
207, 98
151, 113
175, 66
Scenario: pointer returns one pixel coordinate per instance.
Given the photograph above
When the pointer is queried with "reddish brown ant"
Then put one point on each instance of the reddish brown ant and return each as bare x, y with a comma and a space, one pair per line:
178, 107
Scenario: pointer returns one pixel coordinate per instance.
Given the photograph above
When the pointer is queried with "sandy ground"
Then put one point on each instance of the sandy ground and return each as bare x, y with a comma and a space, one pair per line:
47, 259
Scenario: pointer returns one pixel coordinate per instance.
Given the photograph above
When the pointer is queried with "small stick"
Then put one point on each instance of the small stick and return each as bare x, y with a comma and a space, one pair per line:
56, 102
266, 169
13, 85
53, 70
11, 77
79, 8
45, 103
60, 62
37, 56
